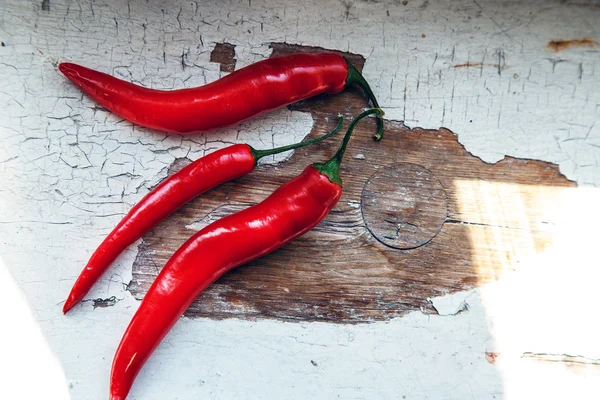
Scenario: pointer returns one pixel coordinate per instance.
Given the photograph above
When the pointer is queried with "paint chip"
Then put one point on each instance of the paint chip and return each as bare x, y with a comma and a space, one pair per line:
491, 357
224, 54
103, 303
557, 45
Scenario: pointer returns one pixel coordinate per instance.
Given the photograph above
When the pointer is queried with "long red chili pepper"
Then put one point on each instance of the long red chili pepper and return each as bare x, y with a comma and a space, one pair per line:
290, 211
248, 92
203, 174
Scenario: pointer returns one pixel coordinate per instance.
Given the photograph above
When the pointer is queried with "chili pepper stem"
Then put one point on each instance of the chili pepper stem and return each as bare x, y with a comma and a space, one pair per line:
258, 154
331, 168
355, 77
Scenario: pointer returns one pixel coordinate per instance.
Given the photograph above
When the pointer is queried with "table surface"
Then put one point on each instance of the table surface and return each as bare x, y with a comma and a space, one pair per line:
493, 104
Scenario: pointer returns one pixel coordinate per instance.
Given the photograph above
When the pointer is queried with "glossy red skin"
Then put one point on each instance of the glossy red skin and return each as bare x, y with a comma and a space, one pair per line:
248, 92
198, 177
289, 212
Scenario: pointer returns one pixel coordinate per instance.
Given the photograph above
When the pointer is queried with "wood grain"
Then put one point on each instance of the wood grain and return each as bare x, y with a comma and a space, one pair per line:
492, 216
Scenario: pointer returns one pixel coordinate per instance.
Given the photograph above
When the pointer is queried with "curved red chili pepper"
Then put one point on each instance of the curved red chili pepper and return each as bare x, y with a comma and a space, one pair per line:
290, 211
203, 174
246, 93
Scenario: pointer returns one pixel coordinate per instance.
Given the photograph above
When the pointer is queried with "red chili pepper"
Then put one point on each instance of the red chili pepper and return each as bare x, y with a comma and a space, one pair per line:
203, 174
248, 92
290, 211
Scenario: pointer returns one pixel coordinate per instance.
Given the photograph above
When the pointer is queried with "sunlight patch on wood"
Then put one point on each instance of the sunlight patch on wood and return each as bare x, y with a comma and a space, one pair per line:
508, 222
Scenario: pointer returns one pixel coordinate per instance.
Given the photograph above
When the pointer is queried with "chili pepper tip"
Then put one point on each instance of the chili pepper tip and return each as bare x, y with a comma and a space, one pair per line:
71, 71
69, 303
66, 69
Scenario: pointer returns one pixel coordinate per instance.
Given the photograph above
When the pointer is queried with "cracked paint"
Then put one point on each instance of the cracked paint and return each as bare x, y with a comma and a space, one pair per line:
70, 170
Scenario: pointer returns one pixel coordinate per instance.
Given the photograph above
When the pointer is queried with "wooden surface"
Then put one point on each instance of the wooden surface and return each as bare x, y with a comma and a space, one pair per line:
483, 69
465, 221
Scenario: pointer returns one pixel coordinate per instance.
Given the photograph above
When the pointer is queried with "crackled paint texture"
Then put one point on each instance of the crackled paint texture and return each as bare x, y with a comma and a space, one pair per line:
69, 172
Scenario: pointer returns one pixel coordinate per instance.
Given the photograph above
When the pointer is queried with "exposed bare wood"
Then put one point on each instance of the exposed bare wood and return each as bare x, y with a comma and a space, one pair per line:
224, 54
491, 216
284, 49
557, 45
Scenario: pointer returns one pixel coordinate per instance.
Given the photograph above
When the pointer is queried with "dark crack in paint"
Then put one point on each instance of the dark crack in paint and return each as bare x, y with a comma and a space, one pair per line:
475, 65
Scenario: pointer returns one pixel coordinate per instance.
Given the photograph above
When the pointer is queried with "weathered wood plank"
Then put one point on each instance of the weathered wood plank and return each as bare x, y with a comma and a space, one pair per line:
478, 219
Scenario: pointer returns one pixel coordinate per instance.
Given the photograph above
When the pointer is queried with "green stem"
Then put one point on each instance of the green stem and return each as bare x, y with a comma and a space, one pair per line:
258, 154
355, 77
331, 168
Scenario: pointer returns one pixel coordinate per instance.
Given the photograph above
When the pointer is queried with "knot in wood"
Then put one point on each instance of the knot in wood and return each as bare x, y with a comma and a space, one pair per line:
403, 205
